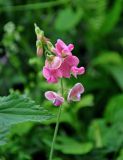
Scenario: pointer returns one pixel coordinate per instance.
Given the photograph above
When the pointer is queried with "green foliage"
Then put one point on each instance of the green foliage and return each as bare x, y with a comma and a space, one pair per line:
67, 19
114, 109
90, 129
112, 17
64, 145
16, 109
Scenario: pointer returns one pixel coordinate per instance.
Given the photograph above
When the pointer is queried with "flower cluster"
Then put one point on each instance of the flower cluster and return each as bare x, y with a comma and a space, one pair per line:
62, 63
59, 63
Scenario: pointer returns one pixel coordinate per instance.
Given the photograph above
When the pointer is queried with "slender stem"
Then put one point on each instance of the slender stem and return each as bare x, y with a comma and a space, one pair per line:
62, 87
56, 127
55, 133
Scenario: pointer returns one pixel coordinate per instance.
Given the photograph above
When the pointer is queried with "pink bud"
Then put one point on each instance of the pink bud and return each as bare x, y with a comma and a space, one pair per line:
54, 97
39, 51
75, 92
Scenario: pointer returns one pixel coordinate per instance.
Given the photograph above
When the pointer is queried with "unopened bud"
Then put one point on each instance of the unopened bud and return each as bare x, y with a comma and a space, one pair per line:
38, 43
39, 51
39, 32
39, 48
50, 46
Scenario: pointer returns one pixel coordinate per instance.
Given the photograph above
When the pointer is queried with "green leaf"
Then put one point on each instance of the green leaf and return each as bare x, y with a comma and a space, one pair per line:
120, 157
112, 17
108, 57
106, 136
17, 108
114, 109
67, 19
86, 101
95, 14
71, 146
117, 73
3, 133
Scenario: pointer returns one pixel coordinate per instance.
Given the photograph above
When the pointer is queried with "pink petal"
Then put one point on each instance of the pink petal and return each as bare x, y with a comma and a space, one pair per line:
65, 69
75, 93
50, 95
51, 75
62, 50
77, 71
66, 65
58, 101
54, 97
53, 63
61, 43
72, 60
71, 47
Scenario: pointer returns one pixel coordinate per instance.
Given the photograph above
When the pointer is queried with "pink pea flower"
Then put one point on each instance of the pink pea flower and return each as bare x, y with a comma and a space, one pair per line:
62, 50
75, 93
54, 97
53, 62
77, 71
51, 75
67, 64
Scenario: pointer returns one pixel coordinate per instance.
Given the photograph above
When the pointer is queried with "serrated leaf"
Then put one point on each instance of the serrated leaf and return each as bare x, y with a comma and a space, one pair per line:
17, 108
3, 133
67, 19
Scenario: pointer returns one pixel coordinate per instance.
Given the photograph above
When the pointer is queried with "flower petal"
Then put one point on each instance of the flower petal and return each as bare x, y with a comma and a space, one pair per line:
58, 101
54, 97
50, 95
75, 93
62, 50
71, 47
54, 62
72, 60
51, 75
77, 71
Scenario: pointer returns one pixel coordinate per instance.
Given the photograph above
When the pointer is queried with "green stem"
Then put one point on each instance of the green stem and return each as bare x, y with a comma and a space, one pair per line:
55, 133
56, 127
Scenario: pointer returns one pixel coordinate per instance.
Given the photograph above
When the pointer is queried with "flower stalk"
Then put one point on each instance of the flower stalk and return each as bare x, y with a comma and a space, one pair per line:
56, 127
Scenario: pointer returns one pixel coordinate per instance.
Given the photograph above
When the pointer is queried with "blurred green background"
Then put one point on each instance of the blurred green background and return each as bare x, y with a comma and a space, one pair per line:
91, 129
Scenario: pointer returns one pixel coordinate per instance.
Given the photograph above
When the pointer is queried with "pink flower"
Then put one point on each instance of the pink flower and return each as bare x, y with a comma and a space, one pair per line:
75, 93
77, 71
51, 75
67, 64
54, 97
53, 62
62, 50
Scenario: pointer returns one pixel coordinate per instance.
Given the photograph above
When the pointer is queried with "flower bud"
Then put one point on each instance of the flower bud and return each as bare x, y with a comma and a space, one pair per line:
39, 51
50, 46
39, 48
39, 32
